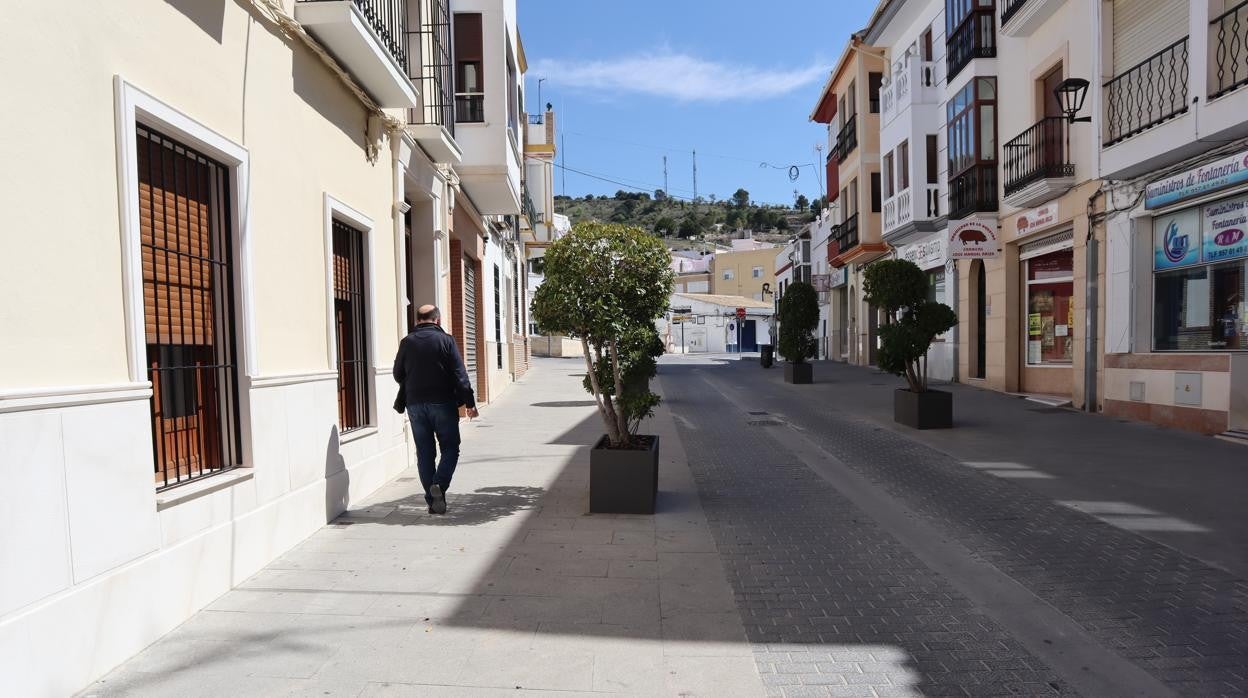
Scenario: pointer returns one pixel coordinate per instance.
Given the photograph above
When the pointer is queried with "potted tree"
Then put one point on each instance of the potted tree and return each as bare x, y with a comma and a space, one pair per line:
911, 322
605, 285
799, 314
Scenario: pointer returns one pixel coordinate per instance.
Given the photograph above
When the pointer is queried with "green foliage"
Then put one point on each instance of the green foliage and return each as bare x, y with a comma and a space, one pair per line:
799, 314
606, 284
689, 227
801, 203
664, 226
741, 198
899, 288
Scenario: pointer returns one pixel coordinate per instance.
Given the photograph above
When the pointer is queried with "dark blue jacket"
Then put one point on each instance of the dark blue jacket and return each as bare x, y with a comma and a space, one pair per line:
428, 369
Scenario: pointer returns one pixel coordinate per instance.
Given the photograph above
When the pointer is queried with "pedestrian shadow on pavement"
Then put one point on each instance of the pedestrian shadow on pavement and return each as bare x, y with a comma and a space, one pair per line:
480, 506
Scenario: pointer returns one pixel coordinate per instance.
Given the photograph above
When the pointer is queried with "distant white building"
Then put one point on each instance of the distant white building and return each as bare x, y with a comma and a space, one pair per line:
703, 323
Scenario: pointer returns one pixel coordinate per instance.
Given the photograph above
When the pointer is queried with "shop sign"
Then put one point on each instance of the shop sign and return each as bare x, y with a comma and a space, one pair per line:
927, 254
821, 282
1226, 230
838, 277
1036, 219
1219, 174
1176, 239
973, 239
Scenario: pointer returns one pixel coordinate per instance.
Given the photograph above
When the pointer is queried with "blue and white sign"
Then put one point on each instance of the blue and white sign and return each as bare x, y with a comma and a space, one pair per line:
1216, 175
1226, 230
1176, 239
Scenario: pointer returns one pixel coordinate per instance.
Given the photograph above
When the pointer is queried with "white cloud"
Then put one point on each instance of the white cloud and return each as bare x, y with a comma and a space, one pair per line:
679, 76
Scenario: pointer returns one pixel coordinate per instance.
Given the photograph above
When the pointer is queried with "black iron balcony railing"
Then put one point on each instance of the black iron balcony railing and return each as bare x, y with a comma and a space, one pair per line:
975, 38
470, 107
1147, 94
973, 191
529, 209
1010, 9
845, 235
1229, 39
388, 20
847, 138
1040, 152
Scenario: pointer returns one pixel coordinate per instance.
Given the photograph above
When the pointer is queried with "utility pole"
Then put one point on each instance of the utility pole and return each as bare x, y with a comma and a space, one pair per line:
819, 167
563, 169
665, 175
695, 177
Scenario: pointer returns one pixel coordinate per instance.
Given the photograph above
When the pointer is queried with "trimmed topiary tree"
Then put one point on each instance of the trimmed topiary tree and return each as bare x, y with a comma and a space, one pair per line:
911, 322
799, 315
606, 284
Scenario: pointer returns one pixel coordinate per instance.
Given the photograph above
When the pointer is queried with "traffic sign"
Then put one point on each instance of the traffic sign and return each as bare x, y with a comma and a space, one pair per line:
740, 313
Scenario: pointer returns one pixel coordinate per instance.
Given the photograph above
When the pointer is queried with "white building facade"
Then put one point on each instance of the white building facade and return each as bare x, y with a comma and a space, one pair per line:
202, 373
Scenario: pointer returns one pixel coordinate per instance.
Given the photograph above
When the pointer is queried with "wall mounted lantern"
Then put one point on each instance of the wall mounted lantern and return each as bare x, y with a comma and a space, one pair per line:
1070, 95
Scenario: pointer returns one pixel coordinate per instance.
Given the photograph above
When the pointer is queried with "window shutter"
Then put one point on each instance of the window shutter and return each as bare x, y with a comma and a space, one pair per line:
1144, 27
175, 221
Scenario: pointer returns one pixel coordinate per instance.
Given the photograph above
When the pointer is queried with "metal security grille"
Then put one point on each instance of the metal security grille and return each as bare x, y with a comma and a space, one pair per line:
350, 323
470, 316
498, 316
433, 65
188, 310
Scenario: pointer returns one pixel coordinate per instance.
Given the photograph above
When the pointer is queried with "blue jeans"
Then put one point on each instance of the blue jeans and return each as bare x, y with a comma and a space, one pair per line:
440, 420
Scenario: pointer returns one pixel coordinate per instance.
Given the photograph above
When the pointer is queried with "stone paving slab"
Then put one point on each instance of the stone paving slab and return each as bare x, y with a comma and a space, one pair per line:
517, 591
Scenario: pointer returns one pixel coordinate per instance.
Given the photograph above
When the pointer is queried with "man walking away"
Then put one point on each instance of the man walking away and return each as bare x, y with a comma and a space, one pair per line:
435, 383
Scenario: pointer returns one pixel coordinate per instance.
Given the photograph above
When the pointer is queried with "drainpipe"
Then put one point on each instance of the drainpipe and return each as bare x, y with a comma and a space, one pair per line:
1091, 295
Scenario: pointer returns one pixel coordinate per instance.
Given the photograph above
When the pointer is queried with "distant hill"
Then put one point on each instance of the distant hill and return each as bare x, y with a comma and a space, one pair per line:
683, 224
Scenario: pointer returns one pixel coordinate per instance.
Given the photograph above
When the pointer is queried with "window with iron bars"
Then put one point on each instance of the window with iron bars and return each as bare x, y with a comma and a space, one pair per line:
351, 327
432, 65
188, 309
498, 315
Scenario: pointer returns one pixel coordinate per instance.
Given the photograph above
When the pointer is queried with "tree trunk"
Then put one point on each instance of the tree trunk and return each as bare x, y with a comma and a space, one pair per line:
621, 418
603, 401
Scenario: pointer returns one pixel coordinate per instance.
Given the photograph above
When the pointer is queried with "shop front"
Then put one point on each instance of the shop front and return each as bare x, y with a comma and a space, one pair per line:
931, 255
1188, 365
838, 311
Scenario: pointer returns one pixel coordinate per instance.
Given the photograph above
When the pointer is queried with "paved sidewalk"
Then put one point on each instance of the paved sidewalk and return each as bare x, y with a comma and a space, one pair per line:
517, 590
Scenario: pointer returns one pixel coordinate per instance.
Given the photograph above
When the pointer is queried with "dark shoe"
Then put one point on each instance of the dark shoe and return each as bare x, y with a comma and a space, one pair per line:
438, 505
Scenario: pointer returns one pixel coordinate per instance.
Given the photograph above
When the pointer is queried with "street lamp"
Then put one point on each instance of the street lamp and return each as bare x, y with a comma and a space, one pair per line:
1070, 95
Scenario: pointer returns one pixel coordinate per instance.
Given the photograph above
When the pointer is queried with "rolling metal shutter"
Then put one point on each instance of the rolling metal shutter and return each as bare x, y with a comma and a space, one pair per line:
1144, 27
470, 316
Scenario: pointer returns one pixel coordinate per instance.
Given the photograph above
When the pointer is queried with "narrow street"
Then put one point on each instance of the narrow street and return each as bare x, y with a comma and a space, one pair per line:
797, 551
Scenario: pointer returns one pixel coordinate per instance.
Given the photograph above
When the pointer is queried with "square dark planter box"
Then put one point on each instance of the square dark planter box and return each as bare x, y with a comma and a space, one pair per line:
799, 374
623, 481
928, 410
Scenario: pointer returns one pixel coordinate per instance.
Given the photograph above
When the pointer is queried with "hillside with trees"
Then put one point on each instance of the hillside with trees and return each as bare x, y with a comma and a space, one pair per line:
689, 224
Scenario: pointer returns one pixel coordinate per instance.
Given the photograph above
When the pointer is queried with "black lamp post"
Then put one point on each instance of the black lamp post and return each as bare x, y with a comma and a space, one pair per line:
1070, 95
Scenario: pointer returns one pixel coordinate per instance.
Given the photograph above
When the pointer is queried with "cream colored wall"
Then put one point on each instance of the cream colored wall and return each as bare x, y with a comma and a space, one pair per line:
742, 264
225, 69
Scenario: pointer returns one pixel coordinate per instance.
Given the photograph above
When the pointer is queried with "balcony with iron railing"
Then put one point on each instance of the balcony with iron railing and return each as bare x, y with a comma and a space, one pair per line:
1021, 18
847, 138
1228, 48
973, 191
975, 37
369, 38
1037, 163
1147, 94
844, 237
530, 210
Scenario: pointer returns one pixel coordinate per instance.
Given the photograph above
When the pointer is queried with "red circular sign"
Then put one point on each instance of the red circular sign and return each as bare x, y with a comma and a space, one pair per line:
741, 313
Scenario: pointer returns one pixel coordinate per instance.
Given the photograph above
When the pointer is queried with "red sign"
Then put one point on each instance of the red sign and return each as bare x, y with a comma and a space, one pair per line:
740, 313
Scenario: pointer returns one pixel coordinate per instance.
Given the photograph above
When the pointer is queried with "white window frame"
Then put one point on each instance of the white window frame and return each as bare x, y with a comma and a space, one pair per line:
756, 272
335, 209
729, 275
134, 106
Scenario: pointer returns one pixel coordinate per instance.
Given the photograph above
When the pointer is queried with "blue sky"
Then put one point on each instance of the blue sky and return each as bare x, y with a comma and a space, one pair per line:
735, 80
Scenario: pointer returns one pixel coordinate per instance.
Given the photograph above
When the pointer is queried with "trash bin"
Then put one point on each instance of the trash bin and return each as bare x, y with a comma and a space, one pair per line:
767, 355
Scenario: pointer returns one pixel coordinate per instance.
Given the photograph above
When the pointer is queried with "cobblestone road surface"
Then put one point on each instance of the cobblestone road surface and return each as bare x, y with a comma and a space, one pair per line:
833, 604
